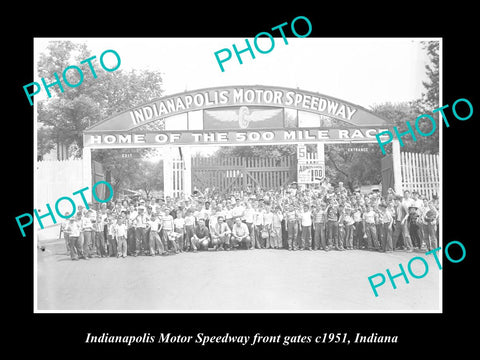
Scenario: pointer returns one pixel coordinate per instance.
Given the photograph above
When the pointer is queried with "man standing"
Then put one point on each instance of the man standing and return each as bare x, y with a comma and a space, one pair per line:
168, 234
306, 222
332, 225
267, 227
370, 218
249, 216
189, 229
416, 227
257, 226
131, 221
154, 237
140, 231
238, 210
291, 218
386, 221
75, 248
87, 230
276, 234
358, 225
430, 219
319, 216
398, 216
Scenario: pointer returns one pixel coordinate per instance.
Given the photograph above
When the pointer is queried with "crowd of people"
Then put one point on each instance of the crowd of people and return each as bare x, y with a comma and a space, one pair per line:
325, 218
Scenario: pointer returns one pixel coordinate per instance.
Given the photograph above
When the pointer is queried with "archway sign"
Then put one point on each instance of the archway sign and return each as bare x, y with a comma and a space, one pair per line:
239, 116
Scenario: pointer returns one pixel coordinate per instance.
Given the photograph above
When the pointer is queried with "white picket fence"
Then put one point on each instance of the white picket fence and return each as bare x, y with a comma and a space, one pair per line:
420, 172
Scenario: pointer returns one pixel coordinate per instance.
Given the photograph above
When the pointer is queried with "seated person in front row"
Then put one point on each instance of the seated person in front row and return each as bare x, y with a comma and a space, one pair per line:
240, 234
220, 233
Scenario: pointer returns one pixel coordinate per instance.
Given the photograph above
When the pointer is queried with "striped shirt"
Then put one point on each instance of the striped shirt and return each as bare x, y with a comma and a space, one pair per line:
320, 216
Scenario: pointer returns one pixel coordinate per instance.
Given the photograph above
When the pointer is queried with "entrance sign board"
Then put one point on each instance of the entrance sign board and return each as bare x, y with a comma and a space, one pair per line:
132, 139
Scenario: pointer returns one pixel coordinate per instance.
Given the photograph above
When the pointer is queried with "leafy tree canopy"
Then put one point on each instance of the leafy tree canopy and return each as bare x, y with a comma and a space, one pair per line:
67, 114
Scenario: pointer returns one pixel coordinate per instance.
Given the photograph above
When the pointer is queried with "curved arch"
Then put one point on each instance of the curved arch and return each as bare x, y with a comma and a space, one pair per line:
218, 98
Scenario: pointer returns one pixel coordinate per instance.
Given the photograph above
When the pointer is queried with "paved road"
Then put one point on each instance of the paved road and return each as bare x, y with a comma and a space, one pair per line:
254, 280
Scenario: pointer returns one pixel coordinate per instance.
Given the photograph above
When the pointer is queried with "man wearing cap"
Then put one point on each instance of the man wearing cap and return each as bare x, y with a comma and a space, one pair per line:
140, 231
220, 233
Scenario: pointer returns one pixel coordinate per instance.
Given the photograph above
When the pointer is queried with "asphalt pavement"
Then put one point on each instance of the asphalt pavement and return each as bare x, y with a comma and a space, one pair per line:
264, 280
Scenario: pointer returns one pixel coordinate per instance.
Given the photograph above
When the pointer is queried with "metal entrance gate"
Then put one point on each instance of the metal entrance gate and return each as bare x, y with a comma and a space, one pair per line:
241, 173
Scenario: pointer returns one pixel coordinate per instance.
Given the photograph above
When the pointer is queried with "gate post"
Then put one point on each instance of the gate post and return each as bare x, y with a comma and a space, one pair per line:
397, 167
321, 152
187, 170
167, 171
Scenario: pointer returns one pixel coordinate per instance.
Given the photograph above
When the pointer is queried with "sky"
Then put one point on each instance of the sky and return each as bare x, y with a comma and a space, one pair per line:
363, 71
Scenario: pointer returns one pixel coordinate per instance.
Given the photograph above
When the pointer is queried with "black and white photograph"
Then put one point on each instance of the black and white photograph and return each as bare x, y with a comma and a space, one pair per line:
274, 174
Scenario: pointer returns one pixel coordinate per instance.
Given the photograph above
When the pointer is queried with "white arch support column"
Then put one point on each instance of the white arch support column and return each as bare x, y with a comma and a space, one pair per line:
187, 170
321, 152
397, 167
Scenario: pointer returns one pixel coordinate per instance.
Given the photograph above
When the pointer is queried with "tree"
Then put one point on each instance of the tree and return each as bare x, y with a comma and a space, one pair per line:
45, 141
66, 115
150, 177
430, 98
353, 168
120, 172
71, 112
